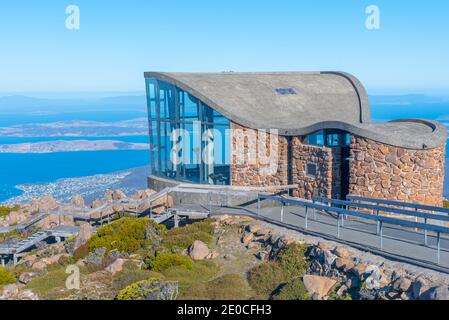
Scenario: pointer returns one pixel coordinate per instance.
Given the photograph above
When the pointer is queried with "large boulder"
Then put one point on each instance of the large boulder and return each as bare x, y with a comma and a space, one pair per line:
420, 285
116, 266
114, 195
44, 204
319, 286
436, 293
39, 266
199, 250
375, 278
84, 234
9, 291
27, 295
343, 264
26, 276
343, 252
55, 259
402, 284
78, 201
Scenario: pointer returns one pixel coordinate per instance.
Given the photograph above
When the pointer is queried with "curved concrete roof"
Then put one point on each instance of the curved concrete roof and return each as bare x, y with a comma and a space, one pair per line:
299, 103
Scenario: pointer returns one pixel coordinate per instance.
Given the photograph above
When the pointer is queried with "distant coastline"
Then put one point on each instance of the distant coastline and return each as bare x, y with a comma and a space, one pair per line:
90, 187
71, 146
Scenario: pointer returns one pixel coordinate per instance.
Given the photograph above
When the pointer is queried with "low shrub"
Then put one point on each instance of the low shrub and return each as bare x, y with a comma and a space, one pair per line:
168, 260
265, 278
446, 204
126, 235
151, 289
293, 262
226, 287
202, 271
6, 210
50, 286
293, 290
6, 277
268, 279
128, 276
182, 238
81, 252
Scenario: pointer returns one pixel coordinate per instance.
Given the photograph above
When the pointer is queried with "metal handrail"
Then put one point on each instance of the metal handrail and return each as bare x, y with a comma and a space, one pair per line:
415, 206
341, 213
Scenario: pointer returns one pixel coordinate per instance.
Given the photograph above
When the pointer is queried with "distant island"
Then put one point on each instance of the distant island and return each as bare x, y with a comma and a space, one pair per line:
76, 128
71, 146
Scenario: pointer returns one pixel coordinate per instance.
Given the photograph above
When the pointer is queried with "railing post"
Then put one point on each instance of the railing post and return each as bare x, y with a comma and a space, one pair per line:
307, 218
438, 247
282, 211
425, 233
381, 233
338, 225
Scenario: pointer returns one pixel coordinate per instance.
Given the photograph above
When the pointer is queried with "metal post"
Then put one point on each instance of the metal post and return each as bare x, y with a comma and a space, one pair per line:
378, 223
151, 210
258, 206
14, 258
314, 214
425, 233
3, 262
381, 233
307, 217
438, 247
338, 225
282, 211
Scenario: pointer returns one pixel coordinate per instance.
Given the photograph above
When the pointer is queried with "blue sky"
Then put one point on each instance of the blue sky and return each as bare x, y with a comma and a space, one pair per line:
119, 40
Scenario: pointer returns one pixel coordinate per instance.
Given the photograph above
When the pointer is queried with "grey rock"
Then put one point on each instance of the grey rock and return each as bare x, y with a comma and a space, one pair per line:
436, 293
420, 286
402, 284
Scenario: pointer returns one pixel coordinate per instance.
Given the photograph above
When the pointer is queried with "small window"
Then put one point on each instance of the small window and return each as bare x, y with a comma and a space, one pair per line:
285, 91
312, 169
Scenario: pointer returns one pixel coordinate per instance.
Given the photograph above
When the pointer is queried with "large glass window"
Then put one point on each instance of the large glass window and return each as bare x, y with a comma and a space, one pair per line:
330, 138
189, 140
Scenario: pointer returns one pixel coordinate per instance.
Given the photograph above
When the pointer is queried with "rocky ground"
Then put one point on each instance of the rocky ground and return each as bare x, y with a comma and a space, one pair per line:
220, 269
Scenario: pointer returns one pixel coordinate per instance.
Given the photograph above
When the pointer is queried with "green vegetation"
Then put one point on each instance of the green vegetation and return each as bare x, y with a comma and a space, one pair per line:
151, 289
292, 261
281, 279
126, 235
4, 237
131, 274
6, 277
6, 210
182, 238
225, 287
50, 286
446, 204
293, 290
168, 260
265, 278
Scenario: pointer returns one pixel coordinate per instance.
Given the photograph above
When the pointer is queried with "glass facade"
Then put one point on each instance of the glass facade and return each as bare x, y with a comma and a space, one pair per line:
189, 140
332, 138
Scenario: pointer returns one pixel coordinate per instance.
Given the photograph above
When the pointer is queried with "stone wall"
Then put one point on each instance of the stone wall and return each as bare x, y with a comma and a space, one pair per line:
311, 186
257, 164
387, 172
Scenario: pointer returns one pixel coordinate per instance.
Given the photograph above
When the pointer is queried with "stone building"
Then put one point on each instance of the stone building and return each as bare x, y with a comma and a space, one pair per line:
313, 130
